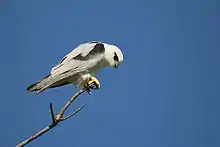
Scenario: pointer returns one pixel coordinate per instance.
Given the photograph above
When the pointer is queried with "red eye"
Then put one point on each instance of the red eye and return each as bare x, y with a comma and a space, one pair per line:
116, 57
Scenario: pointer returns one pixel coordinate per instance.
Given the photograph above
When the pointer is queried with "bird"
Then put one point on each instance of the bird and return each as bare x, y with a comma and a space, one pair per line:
80, 66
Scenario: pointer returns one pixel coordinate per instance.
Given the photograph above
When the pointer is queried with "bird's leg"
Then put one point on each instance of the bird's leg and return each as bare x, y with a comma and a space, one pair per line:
93, 81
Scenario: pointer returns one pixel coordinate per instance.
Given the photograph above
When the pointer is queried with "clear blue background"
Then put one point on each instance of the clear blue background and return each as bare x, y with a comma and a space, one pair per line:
166, 93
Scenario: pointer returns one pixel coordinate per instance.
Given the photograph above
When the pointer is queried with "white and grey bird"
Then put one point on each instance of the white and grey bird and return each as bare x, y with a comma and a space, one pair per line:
80, 66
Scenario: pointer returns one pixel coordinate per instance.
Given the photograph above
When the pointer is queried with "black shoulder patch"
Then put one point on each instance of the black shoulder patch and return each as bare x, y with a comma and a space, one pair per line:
99, 48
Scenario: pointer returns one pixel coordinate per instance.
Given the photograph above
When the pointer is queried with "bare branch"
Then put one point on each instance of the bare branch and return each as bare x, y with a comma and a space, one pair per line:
70, 115
59, 117
52, 113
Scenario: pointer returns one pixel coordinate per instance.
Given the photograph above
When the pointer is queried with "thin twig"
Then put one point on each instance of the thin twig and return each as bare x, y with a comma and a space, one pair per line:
56, 120
70, 115
52, 113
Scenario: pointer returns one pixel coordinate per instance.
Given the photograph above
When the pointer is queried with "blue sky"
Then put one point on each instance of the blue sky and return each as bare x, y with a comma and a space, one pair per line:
166, 93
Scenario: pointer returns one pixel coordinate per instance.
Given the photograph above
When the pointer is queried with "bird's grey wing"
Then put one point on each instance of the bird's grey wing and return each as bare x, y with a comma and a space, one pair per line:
80, 59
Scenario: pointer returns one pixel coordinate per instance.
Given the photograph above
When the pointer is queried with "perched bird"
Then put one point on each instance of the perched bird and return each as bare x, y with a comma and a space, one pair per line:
80, 66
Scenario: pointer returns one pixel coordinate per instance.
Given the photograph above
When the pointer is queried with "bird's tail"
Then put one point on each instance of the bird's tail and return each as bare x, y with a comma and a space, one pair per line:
40, 85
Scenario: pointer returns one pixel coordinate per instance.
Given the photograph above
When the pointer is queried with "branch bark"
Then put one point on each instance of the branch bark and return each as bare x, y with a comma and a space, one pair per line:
59, 117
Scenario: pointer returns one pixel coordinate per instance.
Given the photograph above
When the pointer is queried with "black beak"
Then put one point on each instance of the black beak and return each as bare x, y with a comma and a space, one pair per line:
116, 66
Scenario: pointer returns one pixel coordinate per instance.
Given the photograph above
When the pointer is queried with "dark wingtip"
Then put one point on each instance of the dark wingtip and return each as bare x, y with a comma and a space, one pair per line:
31, 87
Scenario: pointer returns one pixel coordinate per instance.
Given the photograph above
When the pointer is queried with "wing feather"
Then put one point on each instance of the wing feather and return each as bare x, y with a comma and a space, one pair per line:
79, 60
76, 59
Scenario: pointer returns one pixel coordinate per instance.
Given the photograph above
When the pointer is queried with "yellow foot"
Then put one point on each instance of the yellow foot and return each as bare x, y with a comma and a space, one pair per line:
93, 81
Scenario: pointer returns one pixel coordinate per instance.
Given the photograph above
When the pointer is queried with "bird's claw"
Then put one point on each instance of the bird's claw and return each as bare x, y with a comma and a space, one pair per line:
88, 89
93, 83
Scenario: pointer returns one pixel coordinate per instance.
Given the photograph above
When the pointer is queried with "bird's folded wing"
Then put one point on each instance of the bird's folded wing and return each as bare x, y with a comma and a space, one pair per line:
81, 58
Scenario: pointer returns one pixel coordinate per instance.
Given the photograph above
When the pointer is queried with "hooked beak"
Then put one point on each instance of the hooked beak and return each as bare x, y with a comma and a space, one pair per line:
117, 64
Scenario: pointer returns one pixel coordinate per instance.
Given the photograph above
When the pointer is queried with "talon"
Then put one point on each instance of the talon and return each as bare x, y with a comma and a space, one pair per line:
87, 89
94, 81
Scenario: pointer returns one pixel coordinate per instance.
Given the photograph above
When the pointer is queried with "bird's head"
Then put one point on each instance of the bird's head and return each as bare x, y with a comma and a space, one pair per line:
113, 55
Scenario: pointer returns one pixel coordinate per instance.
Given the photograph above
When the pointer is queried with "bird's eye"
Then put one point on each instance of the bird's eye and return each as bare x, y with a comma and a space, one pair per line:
115, 57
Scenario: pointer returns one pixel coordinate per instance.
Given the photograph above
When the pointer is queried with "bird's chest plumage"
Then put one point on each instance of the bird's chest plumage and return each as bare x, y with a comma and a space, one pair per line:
83, 77
94, 69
